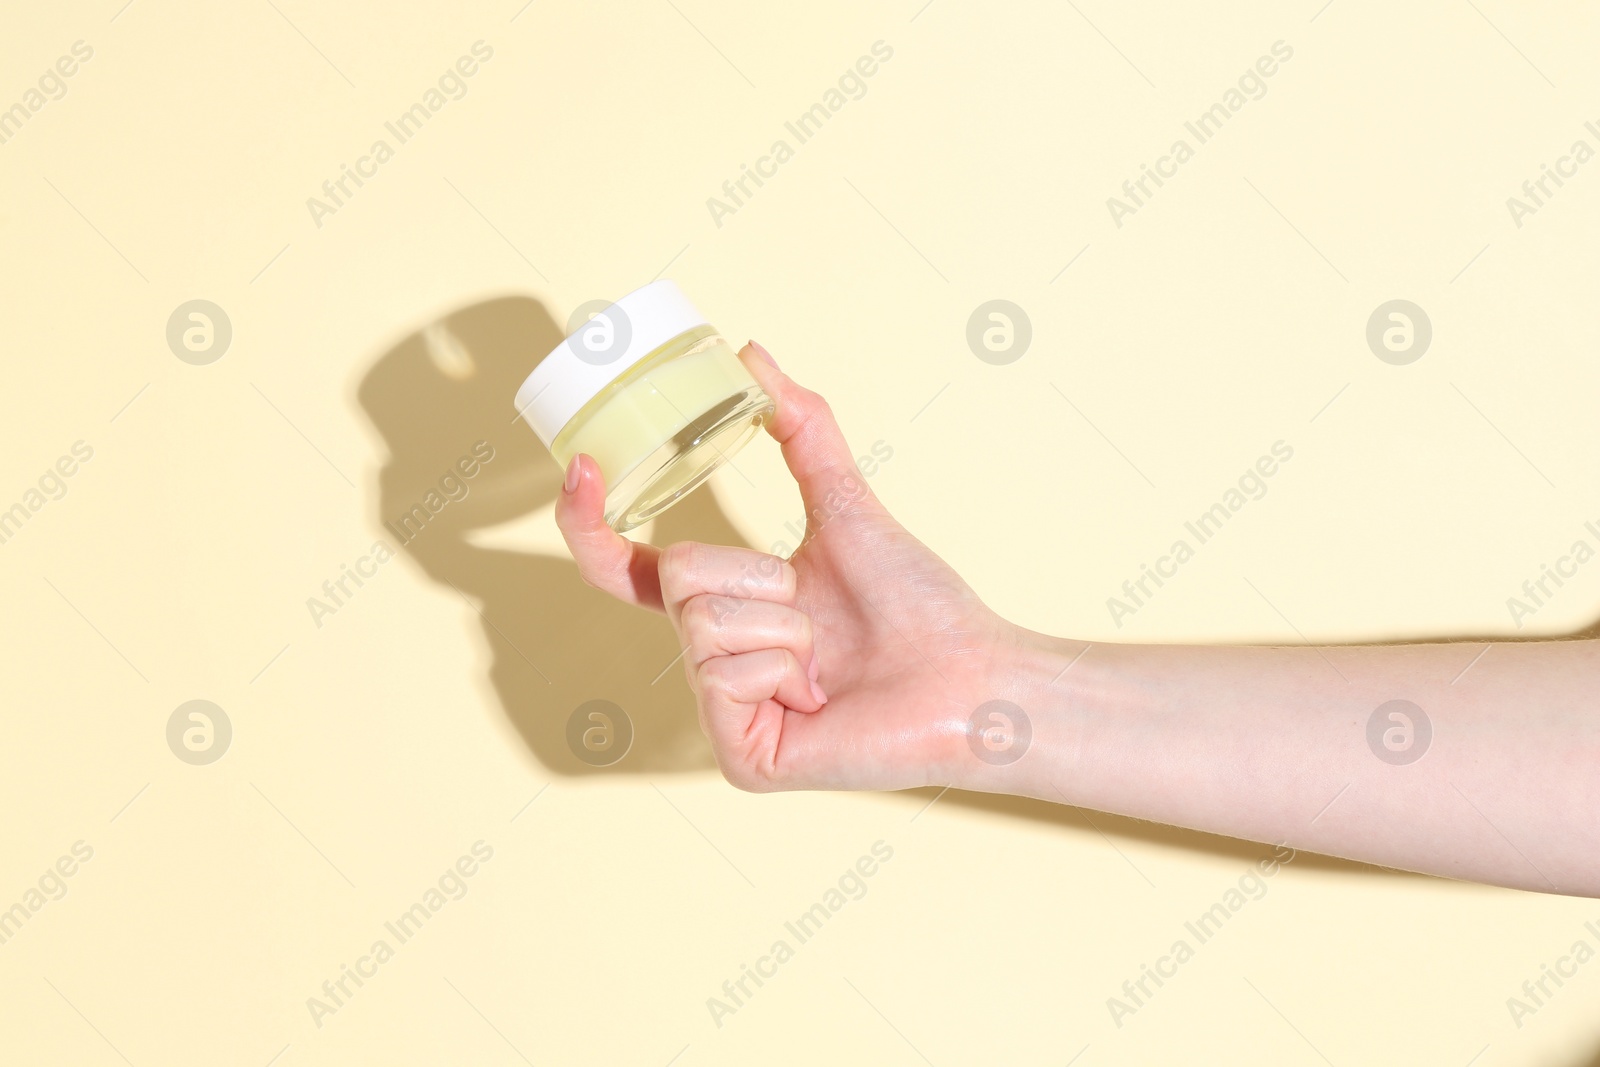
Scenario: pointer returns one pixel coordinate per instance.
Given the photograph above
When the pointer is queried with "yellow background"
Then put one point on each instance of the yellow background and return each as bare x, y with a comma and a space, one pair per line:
369, 352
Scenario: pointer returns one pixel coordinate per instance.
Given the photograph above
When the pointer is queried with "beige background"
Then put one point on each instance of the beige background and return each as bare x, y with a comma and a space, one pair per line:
428, 712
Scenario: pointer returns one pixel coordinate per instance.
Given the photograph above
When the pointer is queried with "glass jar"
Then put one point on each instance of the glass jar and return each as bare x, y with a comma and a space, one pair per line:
653, 393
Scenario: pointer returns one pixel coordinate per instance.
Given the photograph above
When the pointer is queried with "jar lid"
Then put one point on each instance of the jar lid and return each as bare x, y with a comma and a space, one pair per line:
599, 352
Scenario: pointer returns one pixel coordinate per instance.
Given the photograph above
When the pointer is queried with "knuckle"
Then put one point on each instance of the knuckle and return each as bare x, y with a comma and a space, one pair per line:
805, 634
696, 615
722, 608
704, 614
714, 675
776, 665
820, 419
808, 402
789, 579
677, 562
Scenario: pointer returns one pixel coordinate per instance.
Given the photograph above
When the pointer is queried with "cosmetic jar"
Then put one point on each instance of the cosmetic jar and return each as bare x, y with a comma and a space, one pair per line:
651, 391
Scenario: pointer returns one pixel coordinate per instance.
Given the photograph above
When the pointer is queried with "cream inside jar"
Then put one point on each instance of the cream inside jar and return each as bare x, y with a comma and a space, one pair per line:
653, 393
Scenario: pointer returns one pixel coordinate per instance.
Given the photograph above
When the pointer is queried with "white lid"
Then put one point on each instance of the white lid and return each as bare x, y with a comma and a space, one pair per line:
616, 338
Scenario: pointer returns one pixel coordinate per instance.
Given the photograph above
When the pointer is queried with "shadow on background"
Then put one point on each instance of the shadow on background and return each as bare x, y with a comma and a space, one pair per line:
444, 392
1592, 1061
555, 642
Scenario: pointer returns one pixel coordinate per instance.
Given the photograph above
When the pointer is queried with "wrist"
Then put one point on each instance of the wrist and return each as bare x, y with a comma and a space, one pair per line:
1024, 733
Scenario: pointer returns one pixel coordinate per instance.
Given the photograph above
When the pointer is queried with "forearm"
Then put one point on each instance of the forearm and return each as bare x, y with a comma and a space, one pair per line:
1272, 744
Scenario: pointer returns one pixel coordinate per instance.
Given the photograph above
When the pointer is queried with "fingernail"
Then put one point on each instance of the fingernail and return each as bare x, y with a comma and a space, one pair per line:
818, 694
815, 668
571, 484
763, 353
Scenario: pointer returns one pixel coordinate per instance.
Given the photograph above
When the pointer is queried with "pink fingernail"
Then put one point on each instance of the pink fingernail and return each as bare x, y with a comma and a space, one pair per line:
816, 691
815, 668
573, 473
763, 353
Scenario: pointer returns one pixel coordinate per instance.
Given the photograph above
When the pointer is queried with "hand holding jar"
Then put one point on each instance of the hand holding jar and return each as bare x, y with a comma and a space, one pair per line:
864, 662
818, 671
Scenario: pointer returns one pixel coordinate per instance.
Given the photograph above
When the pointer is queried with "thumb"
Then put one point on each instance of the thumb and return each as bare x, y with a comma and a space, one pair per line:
813, 445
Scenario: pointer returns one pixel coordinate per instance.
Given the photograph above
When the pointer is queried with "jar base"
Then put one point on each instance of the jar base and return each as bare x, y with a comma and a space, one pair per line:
678, 467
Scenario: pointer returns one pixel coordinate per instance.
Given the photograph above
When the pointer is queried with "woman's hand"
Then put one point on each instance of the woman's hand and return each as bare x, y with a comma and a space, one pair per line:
1499, 782
856, 664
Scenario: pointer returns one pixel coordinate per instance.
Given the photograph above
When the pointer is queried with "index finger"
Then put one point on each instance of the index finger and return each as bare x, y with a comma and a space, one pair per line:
608, 561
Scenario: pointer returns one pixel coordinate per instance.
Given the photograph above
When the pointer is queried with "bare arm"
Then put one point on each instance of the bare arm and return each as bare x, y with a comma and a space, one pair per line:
1488, 772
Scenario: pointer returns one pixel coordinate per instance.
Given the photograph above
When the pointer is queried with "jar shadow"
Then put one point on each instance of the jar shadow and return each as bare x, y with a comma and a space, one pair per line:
555, 643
